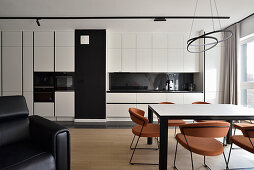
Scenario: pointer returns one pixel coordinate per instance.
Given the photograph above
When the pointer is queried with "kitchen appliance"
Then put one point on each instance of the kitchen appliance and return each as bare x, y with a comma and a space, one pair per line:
44, 87
64, 81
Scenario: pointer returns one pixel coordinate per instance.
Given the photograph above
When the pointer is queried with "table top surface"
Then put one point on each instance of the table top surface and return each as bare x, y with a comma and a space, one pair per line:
201, 110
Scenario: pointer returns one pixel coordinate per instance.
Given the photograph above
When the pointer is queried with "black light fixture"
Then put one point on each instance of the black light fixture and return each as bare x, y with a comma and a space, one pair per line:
209, 35
160, 19
38, 22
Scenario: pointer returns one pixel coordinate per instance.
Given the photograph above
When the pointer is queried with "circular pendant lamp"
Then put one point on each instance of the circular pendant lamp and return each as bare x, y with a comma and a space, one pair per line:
209, 36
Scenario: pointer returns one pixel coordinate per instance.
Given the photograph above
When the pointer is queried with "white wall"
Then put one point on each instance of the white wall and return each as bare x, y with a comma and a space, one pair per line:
247, 26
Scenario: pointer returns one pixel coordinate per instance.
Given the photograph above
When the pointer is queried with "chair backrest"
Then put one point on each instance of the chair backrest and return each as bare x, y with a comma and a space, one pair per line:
166, 103
198, 102
211, 129
248, 131
137, 116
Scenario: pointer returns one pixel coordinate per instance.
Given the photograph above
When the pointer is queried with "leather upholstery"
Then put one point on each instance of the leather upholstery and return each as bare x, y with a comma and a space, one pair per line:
12, 107
30, 143
150, 130
243, 142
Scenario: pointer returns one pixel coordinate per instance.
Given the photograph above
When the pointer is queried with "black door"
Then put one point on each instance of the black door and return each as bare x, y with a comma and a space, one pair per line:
90, 75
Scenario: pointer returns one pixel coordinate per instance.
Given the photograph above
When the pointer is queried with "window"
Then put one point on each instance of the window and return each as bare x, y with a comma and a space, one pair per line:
246, 68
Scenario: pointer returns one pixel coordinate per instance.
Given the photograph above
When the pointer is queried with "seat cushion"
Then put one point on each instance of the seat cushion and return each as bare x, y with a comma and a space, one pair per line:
25, 155
201, 146
243, 142
240, 126
176, 122
209, 120
150, 130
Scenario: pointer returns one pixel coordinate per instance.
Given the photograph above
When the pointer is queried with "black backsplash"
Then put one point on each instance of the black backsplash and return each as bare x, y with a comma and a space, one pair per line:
149, 81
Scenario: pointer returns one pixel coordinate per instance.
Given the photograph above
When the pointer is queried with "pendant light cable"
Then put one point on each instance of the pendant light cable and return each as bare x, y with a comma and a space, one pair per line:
217, 12
211, 8
193, 18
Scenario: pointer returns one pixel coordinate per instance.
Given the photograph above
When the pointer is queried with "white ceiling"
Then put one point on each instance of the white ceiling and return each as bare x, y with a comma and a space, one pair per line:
236, 9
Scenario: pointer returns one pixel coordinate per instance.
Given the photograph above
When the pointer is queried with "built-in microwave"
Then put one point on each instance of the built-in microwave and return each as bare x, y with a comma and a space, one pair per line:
64, 81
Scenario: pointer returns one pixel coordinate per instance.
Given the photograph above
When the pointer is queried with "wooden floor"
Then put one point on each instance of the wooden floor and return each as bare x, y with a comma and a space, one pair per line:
108, 149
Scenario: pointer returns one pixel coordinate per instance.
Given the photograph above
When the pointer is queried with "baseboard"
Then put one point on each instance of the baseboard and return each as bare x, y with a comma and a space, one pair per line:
89, 120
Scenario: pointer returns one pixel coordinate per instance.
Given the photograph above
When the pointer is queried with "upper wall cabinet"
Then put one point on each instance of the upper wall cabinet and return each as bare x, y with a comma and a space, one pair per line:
129, 40
160, 40
114, 40
64, 61
44, 39
191, 61
64, 39
144, 40
114, 60
44, 59
11, 39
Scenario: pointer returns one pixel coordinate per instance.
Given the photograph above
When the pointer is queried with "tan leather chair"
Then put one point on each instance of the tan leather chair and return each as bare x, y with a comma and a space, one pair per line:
200, 137
245, 141
173, 123
142, 129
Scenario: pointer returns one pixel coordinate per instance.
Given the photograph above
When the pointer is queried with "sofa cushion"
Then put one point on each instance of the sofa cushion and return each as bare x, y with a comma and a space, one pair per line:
25, 155
13, 131
12, 107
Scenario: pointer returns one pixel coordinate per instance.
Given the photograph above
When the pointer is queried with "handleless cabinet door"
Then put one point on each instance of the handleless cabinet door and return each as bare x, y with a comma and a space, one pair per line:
0, 63
43, 58
12, 70
119, 110
44, 109
189, 98
121, 98
64, 38
29, 101
64, 61
64, 104
176, 98
28, 69
44, 39
151, 97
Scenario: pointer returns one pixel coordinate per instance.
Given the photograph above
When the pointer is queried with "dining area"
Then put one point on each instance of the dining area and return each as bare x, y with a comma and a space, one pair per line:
210, 129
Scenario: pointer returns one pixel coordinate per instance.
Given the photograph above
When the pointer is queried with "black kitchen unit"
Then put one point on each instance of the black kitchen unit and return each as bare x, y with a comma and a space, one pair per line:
90, 74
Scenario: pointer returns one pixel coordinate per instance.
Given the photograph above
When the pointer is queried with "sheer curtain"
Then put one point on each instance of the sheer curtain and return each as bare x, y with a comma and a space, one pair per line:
230, 66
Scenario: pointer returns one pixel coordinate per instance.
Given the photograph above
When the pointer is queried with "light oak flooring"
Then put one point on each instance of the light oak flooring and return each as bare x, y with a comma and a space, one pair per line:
108, 149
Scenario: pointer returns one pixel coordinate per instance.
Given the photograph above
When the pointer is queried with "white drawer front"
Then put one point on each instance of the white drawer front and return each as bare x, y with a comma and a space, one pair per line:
119, 110
121, 97
151, 97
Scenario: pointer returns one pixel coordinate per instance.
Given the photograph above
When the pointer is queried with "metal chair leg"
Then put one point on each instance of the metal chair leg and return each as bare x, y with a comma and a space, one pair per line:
175, 131
229, 155
136, 163
132, 142
175, 156
191, 161
225, 160
205, 165
142, 148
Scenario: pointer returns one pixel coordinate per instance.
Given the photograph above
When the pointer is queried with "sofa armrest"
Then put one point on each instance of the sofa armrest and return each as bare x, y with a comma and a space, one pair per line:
54, 138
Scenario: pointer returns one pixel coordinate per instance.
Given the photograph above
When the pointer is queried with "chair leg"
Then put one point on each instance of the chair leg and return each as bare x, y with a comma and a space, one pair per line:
132, 142
225, 160
191, 161
205, 165
175, 156
158, 143
175, 131
133, 155
229, 155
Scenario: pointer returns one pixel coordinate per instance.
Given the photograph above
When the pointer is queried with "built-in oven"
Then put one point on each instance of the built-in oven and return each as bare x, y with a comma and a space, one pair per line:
44, 88
64, 81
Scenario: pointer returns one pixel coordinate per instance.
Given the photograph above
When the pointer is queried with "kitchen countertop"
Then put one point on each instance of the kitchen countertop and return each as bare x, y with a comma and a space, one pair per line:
151, 91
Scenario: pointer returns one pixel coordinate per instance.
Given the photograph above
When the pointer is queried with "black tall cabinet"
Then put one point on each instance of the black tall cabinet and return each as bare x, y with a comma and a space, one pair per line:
90, 74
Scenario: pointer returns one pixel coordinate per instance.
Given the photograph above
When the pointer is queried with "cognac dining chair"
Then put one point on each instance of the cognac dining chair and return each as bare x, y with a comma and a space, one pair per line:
200, 137
198, 102
245, 141
174, 123
142, 129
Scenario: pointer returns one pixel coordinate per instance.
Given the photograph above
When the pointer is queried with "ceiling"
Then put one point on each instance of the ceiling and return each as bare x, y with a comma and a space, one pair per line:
236, 9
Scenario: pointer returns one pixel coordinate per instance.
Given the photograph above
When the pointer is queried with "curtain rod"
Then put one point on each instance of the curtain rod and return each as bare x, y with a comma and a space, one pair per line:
241, 20
126, 17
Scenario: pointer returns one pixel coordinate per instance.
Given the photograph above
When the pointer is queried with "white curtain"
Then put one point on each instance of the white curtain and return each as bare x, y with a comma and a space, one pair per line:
230, 65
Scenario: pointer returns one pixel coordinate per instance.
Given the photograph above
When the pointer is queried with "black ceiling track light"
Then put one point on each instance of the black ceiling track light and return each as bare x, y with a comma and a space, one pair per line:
210, 35
38, 22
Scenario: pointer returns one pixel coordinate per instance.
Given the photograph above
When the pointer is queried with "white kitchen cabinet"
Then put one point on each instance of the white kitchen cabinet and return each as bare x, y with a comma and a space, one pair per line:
44, 109
144, 60
44, 39
189, 98
114, 40
11, 39
175, 60
29, 101
44, 59
121, 98
144, 107
159, 60
0, 65
176, 98
119, 110
64, 59
12, 69
12, 93
27, 39
190, 61
64, 104
160, 40
175, 40
114, 60
144, 40
129, 40
27, 69
64, 39
151, 97
129, 60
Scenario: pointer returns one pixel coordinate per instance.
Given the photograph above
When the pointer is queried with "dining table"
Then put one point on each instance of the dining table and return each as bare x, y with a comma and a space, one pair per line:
165, 112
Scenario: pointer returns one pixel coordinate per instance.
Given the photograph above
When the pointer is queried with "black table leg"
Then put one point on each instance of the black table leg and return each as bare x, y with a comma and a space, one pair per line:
229, 131
163, 155
150, 118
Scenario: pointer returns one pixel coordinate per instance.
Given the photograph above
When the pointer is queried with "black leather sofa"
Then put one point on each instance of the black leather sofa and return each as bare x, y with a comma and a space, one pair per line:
30, 142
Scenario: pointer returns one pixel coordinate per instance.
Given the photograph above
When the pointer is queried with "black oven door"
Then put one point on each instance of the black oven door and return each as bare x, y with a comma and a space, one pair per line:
64, 81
